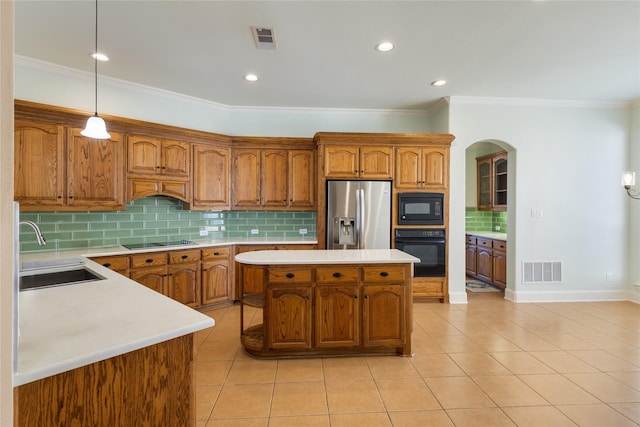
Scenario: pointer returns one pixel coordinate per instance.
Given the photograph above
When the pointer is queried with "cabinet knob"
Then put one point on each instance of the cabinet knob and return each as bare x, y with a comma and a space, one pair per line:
384, 274
184, 256
290, 275
355, 296
366, 296
106, 264
337, 274
59, 197
309, 297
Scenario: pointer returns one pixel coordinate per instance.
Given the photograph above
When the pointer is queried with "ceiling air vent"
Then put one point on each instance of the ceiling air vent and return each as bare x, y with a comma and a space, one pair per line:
265, 38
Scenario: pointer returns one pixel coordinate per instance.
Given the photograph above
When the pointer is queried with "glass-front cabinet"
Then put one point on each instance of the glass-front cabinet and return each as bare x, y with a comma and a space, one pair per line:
492, 182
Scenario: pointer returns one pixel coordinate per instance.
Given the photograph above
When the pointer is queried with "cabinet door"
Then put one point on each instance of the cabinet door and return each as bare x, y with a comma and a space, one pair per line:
95, 172
376, 162
39, 175
470, 252
435, 168
341, 162
337, 316
484, 184
246, 178
153, 278
383, 320
484, 264
274, 176
288, 315
184, 283
215, 282
499, 268
500, 182
302, 179
144, 155
210, 177
408, 172
176, 159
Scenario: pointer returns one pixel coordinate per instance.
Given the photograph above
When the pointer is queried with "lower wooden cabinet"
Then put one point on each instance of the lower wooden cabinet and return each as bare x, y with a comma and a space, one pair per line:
184, 283
331, 310
486, 260
215, 276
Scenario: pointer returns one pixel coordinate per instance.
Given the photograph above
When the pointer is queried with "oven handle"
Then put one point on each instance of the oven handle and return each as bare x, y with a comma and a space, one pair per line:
437, 241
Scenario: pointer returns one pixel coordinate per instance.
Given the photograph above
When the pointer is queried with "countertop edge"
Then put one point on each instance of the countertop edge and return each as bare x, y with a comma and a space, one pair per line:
324, 256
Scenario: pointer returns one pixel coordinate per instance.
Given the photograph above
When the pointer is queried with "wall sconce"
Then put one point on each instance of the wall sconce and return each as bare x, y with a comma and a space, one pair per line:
628, 181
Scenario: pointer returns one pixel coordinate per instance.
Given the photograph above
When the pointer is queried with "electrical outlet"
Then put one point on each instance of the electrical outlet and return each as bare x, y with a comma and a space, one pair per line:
537, 213
204, 233
303, 231
497, 228
609, 277
255, 231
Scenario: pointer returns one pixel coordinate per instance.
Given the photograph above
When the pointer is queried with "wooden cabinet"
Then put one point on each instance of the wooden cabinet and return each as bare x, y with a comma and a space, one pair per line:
327, 309
486, 260
492, 182
215, 276
56, 168
273, 178
150, 270
365, 162
424, 168
183, 284
117, 263
211, 184
158, 166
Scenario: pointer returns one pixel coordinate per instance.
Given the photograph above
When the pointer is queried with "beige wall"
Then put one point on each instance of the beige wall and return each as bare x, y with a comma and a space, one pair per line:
6, 210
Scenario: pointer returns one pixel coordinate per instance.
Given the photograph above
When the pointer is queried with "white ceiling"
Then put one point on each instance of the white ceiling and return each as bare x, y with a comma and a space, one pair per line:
325, 57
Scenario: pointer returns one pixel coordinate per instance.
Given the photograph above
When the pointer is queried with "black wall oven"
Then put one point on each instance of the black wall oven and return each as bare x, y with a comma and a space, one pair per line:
427, 244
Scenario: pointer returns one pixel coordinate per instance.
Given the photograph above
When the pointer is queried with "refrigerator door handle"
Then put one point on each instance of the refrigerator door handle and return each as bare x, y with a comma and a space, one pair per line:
361, 213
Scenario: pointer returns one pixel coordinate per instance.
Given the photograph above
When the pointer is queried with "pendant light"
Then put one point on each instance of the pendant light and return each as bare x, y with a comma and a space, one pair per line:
96, 128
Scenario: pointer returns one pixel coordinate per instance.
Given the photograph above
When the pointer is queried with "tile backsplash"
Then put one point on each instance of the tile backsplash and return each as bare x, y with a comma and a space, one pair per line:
156, 219
476, 220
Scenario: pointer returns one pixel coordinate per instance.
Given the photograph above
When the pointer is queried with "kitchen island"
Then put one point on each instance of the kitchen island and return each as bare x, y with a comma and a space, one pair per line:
326, 302
105, 352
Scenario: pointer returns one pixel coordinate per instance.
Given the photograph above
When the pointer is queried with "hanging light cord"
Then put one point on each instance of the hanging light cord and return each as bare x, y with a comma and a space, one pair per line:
95, 60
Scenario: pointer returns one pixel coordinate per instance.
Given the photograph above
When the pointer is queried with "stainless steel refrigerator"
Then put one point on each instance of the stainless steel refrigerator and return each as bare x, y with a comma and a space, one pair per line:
358, 214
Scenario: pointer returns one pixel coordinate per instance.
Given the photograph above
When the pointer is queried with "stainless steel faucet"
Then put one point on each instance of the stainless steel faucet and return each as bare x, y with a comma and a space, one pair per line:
36, 229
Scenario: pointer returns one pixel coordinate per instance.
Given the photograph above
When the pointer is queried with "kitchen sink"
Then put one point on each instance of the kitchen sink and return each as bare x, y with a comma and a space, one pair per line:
38, 279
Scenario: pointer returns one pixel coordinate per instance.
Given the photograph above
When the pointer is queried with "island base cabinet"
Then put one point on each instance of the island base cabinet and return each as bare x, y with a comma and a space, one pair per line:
383, 313
153, 386
289, 317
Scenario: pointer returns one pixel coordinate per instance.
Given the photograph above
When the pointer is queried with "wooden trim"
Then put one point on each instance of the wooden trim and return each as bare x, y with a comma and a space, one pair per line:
359, 138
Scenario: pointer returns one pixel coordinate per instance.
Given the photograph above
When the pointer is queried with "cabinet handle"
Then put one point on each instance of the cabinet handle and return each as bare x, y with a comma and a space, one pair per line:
70, 197
290, 275
337, 274
148, 261
355, 296
59, 197
106, 264
184, 256
309, 297
384, 274
216, 253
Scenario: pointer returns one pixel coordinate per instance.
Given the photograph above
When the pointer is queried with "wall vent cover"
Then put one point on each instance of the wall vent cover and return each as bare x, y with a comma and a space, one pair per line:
541, 272
265, 38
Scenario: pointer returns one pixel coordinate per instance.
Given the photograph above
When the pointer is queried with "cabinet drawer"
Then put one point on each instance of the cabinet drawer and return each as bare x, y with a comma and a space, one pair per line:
116, 263
150, 259
484, 242
289, 275
215, 253
471, 240
177, 257
500, 244
336, 274
383, 274
428, 289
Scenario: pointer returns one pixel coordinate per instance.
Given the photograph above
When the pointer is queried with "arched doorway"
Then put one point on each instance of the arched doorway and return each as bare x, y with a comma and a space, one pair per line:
490, 212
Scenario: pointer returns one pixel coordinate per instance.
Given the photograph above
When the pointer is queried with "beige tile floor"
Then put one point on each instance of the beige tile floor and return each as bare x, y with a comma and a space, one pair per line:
488, 363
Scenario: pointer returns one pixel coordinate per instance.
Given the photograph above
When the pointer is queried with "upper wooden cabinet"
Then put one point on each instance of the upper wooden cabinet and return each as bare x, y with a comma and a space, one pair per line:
366, 162
211, 185
492, 182
155, 156
56, 168
424, 168
282, 177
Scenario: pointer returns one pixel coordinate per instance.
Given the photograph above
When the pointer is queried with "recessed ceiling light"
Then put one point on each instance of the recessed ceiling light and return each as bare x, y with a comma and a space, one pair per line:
384, 46
438, 83
100, 56
251, 77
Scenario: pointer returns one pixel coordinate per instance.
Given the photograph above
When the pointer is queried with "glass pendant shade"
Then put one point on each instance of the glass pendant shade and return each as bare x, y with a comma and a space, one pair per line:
628, 179
96, 128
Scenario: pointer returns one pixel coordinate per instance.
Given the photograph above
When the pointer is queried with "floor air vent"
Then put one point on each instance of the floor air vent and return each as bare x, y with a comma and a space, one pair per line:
265, 38
541, 272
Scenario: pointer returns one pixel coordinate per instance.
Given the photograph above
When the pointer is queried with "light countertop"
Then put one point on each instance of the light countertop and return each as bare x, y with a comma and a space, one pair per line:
496, 235
332, 256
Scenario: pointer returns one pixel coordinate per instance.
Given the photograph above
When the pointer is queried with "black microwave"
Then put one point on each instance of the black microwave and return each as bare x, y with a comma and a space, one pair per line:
420, 209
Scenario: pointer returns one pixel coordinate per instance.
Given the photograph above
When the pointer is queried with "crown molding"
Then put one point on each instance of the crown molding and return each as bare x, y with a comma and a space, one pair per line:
533, 102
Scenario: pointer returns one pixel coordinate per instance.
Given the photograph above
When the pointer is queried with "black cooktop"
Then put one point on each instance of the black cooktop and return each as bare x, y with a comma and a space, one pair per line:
157, 244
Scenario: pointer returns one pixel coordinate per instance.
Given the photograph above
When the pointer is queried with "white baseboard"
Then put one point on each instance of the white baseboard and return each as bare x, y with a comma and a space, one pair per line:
570, 296
458, 297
